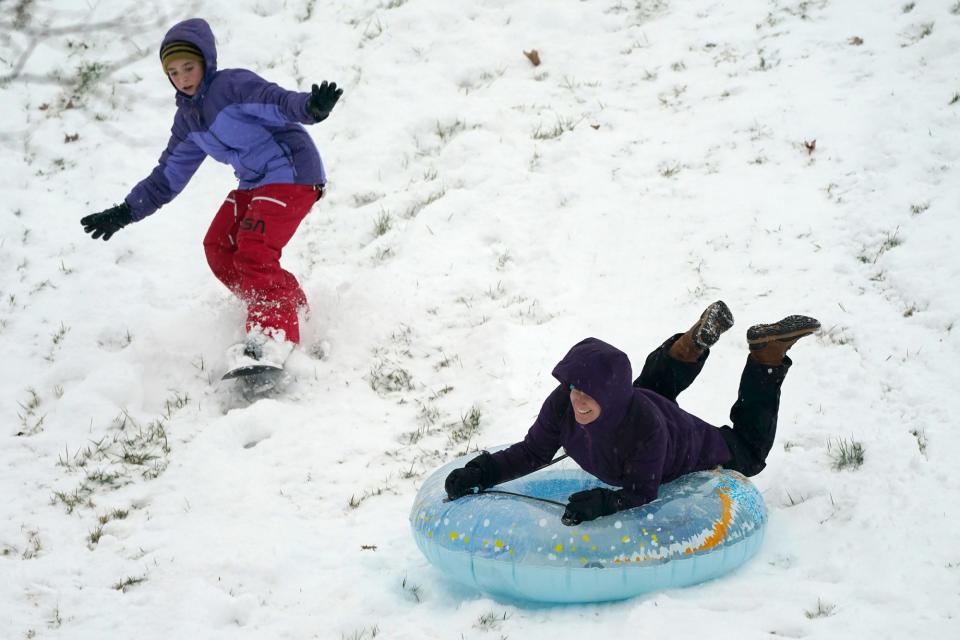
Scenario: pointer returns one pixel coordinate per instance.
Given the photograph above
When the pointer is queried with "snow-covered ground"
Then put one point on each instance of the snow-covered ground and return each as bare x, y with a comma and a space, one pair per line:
483, 215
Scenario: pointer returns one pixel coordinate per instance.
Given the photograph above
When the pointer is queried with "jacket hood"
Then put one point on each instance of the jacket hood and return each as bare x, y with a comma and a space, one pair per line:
196, 31
604, 373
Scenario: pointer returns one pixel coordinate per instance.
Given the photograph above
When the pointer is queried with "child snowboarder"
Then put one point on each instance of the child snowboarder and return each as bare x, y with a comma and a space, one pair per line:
636, 436
255, 126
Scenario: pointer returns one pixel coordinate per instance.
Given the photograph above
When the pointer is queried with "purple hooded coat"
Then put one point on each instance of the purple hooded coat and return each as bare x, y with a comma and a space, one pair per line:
639, 441
237, 118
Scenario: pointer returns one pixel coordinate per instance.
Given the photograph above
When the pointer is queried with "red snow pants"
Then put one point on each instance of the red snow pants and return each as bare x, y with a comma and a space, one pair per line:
243, 247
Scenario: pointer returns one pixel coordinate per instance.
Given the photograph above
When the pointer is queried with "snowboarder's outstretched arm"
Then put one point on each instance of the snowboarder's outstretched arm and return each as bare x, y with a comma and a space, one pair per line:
176, 166
271, 103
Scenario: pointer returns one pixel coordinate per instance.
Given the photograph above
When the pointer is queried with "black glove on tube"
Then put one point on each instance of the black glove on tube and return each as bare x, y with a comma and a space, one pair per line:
479, 473
591, 504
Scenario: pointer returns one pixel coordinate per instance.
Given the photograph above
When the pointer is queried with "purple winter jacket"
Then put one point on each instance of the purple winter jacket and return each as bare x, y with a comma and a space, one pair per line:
639, 441
239, 119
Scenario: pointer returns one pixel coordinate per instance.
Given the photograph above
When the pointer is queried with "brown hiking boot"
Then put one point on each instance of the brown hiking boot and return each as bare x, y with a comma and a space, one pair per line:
714, 320
769, 342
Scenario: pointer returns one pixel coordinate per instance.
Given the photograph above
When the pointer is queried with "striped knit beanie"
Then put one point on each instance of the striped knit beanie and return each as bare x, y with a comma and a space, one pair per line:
179, 50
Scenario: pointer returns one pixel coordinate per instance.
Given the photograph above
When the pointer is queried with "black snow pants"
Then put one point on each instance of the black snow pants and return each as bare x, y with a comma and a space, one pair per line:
754, 414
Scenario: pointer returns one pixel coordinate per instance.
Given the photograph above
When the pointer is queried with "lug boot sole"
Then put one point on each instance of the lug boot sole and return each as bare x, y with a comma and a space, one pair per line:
789, 329
715, 319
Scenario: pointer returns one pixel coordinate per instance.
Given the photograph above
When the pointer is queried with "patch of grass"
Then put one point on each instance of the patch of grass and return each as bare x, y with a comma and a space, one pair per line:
79, 497
174, 403
413, 591
384, 378
131, 448
56, 341
85, 79
372, 31
468, 427
669, 169
356, 501
845, 454
138, 458
97, 533
491, 620
917, 33
794, 501
308, 10
445, 361
109, 479
34, 545
496, 292
382, 254
823, 610
382, 224
891, 241
918, 208
55, 619
362, 634
427, 418
116, 514
446, 131
95, 536
128, 582
30, 424
419, 205
921, 437
485, 79
561, 126
365, 198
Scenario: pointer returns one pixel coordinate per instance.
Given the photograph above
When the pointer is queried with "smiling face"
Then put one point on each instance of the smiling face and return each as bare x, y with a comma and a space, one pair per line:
585, 408
186, 75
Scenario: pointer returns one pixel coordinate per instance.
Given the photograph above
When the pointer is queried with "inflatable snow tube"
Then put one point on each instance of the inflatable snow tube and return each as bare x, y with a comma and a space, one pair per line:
701, 526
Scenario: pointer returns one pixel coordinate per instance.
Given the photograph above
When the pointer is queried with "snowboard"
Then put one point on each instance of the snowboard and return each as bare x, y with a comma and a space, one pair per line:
252, 382
246, 370
257, 364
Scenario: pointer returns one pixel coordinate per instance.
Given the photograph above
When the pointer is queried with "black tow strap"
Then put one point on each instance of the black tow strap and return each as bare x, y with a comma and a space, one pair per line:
523, 495
519, 495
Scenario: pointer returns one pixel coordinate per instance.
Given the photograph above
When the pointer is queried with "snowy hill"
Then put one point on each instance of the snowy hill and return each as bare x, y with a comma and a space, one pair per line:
483, 215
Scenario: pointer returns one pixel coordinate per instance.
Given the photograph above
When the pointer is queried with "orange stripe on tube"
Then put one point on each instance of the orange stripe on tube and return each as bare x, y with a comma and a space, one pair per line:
720, 526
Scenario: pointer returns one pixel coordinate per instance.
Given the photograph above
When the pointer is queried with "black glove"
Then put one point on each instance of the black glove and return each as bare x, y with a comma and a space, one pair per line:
479, 473
108, 222
322, 99
591, 504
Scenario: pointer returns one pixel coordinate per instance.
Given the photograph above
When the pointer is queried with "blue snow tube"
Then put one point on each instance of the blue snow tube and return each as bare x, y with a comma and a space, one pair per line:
702, 525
